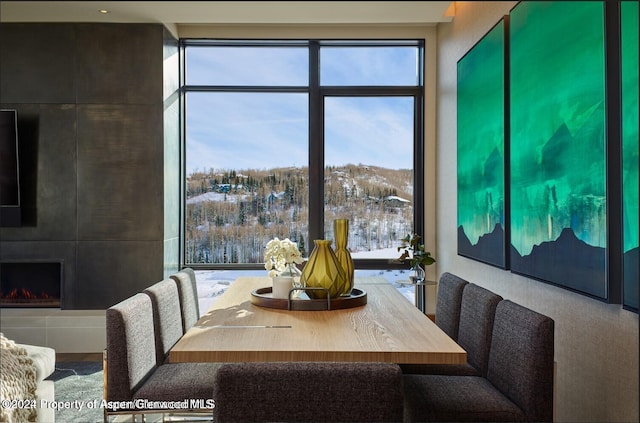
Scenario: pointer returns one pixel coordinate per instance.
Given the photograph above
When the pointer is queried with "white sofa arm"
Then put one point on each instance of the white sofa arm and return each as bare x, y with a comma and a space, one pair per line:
44, 359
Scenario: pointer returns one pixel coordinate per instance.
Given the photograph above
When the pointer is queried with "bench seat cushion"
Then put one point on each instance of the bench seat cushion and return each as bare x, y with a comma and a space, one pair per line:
308, 392
440, 398
179, 381
465, 369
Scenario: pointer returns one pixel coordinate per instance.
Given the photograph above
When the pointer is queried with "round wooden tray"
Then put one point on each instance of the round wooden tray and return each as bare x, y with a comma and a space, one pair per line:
262, 297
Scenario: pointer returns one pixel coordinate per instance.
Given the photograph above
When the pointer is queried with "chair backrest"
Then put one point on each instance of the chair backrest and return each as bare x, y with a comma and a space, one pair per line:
167, 318
313, 392
448, 303
188, 294
521, 359
477, 312
131, 352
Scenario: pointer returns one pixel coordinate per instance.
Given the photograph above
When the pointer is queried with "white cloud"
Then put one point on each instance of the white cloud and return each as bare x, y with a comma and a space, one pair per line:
371, 130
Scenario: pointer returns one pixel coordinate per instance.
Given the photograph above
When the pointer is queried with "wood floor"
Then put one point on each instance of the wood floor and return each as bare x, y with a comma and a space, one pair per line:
62, 357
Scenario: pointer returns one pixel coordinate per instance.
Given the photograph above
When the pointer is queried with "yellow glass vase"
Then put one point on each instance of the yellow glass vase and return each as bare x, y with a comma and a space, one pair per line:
341, 235
323, 270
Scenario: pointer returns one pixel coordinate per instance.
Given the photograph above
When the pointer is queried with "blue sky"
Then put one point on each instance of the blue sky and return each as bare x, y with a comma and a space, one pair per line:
262, 130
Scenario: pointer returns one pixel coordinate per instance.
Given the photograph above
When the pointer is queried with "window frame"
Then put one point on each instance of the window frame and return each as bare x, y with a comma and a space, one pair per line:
316, 94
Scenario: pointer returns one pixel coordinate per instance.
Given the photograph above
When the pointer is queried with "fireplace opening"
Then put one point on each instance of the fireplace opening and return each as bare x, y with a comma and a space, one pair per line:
30, 283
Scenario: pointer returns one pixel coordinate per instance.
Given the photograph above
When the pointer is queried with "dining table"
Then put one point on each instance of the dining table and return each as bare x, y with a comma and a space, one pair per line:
383, 327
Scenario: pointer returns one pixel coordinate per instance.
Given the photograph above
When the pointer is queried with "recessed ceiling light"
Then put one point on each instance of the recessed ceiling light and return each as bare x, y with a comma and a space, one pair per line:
103, 11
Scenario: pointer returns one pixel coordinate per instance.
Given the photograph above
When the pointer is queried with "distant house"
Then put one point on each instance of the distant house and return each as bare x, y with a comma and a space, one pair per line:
393, 201
275, 196
223, 187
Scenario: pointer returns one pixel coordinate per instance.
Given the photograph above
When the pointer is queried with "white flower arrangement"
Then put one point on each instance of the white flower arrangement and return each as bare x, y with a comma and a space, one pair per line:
280, 254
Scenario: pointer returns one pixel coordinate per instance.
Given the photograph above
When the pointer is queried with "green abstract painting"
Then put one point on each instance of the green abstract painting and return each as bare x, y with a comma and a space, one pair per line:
557, 135
481, 149
630, 212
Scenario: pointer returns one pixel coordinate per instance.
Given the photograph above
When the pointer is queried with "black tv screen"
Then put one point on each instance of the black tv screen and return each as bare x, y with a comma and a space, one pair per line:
9, 176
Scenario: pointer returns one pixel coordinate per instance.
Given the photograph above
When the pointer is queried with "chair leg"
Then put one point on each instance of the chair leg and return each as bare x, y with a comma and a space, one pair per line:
104, 382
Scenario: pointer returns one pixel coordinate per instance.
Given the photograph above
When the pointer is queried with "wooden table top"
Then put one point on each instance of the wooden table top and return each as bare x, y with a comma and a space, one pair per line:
388, 328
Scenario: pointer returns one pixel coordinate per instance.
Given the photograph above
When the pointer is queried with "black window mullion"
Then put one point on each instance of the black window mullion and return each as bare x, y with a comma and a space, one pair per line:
316, 147
245, 89
418, 167
182, 76
370, 91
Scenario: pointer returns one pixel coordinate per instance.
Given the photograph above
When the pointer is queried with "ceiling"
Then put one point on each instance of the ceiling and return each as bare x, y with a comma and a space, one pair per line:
178, 13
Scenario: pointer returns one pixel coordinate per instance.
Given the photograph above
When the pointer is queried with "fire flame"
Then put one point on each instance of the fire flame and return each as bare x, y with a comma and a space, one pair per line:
24, 294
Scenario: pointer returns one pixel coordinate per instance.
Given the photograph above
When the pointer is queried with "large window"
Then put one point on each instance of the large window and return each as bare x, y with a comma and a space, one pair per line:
283, 137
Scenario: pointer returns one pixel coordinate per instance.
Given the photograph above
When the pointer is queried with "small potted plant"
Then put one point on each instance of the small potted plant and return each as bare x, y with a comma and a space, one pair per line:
281, 256
280, 259
418, 257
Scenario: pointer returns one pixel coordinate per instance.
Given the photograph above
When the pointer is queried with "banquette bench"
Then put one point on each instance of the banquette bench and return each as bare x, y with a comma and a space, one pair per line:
510, 369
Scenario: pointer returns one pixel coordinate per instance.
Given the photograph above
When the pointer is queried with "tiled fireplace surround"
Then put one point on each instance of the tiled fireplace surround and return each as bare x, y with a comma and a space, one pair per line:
43, 322
66, 331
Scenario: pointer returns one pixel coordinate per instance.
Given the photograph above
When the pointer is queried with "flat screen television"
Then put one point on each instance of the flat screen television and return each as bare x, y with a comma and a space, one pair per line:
9, 169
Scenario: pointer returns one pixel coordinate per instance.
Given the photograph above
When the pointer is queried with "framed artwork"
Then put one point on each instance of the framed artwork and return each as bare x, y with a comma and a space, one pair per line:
482, 148
629, 100
558, 145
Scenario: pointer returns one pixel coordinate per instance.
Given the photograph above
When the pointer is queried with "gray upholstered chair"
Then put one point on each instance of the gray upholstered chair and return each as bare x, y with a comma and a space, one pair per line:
130, 354
448, 303
133, 367
167, 316
519, 381
173, 381
188, 295
308, 392
477, 313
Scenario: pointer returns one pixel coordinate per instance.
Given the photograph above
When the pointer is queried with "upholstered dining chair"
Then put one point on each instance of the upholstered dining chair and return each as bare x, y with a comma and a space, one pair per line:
188, 296
519, 381
477, 313
167, 316
130, 353
448, 303
134, 370
308, 392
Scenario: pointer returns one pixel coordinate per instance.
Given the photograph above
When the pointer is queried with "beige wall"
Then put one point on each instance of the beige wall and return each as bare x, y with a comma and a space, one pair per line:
596, 345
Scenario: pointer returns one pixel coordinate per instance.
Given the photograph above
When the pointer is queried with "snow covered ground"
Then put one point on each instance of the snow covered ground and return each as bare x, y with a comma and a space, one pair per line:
212, 283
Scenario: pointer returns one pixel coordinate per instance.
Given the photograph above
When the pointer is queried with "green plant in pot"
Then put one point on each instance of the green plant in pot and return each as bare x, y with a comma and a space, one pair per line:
417, 255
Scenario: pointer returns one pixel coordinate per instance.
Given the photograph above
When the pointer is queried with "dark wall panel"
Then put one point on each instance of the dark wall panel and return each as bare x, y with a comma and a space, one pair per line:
37, 63
120, 180
113, 270
119, 64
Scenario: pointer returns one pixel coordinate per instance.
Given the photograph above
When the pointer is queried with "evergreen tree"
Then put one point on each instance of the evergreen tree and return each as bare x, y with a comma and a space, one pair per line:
242, 216
301, 246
